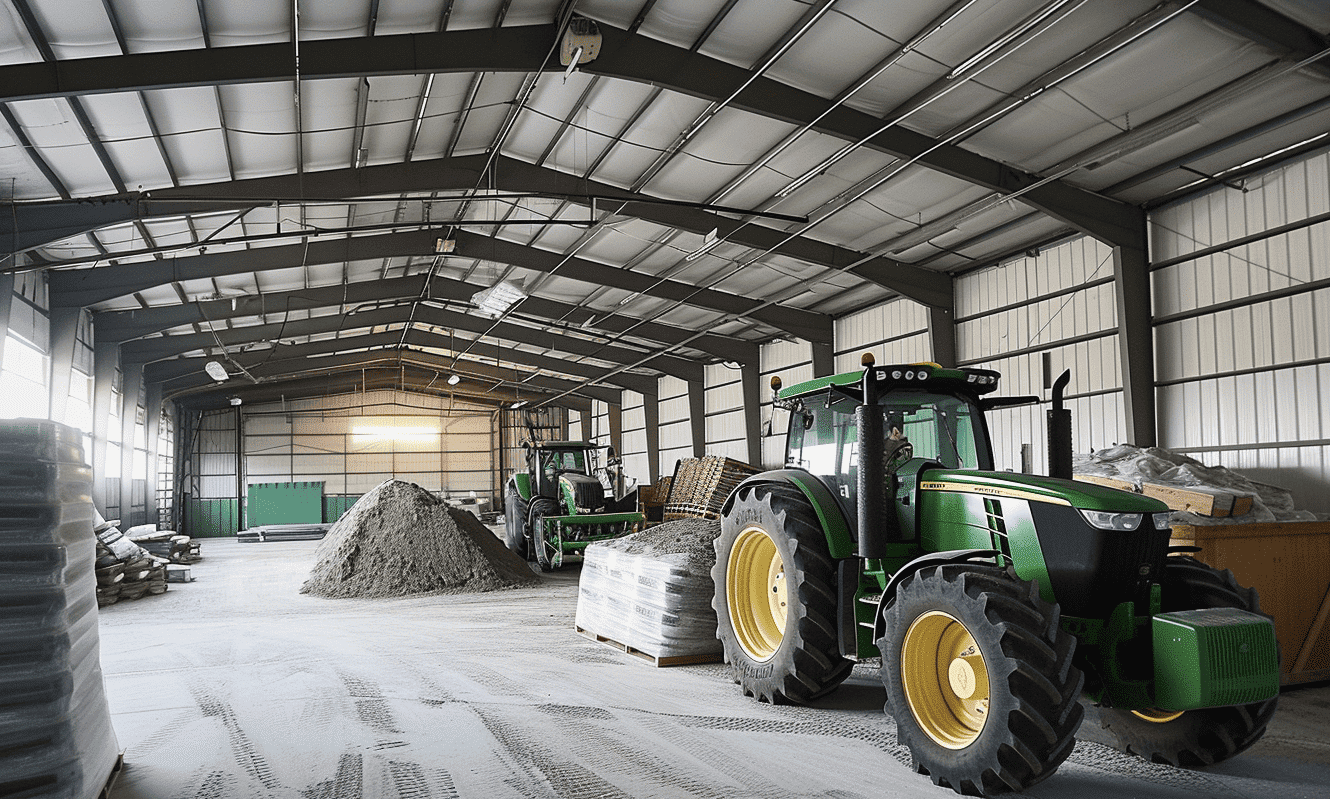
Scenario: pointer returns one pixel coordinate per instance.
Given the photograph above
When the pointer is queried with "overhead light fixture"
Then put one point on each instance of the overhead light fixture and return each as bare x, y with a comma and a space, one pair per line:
216, 371
518, 404
709, 243
495, 301
580, 43
442, 245
235, 400
454, 380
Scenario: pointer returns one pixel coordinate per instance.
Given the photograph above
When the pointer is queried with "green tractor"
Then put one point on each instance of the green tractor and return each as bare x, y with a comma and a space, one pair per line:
1002, 605
565, 501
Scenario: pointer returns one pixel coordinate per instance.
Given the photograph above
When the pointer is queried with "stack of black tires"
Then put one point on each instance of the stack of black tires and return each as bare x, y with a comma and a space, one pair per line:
55, 727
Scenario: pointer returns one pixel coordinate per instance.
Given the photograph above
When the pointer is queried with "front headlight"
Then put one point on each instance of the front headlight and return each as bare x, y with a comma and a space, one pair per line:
1104, 520
1162, 519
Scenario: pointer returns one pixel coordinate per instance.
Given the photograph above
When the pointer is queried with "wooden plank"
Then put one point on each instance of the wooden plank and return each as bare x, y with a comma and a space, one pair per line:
1314, 642
1202, 532
1194, 499
657, 660
1111, 482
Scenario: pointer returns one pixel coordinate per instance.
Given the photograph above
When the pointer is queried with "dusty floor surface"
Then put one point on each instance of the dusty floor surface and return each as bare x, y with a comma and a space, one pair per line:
236, 685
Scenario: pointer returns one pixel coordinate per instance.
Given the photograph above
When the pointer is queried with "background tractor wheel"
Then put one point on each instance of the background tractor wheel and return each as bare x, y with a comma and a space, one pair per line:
980, 680
1195, 738
540, 546
775, 597
514, 522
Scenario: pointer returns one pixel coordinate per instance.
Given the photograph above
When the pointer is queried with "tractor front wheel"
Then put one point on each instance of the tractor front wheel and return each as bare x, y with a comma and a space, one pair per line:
1195, 738
980, 680
514, 522
540, 544
775, 597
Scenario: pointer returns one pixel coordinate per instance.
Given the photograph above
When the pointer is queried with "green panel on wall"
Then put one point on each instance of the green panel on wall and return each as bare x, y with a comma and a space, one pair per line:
211, 518
335, 506
284, 503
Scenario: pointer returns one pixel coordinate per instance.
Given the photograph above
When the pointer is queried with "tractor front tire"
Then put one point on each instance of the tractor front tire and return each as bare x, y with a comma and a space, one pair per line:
1195, 738
979, 679
540, 546
514, 522
775, 597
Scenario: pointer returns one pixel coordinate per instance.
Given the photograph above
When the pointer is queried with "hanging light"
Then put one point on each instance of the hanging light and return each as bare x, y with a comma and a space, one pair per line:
216, 371
454, 380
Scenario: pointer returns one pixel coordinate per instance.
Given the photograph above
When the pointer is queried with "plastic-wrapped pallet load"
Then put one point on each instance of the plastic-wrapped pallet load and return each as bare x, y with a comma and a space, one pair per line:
650, 592
55, 727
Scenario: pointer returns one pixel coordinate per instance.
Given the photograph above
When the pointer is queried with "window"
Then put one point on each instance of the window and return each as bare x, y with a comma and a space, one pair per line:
23, 380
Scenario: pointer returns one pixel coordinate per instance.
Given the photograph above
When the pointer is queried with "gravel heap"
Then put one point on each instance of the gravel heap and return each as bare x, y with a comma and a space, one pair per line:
400, 540
686, 544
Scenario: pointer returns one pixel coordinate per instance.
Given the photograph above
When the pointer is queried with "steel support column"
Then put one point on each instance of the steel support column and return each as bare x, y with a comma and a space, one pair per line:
152, 408
942, 336
6, 302
105, 358
131, 384
697, 415
651, 426
1131, 280
750, 378
824, 359
64, 338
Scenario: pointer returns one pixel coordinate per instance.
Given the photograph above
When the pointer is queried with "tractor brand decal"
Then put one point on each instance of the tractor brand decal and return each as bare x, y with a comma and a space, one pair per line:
1010, 493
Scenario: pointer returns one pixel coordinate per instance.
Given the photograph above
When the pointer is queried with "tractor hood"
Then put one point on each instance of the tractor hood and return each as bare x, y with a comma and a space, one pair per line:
1035, 488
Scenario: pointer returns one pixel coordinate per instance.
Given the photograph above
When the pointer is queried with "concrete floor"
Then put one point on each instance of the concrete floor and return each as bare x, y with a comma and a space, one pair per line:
238, 686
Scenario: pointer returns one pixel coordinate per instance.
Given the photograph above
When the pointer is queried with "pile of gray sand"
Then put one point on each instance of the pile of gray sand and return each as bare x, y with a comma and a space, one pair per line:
400, 540
686, 544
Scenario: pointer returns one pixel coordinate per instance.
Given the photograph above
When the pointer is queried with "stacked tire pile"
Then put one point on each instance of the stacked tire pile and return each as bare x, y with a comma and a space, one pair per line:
650, 592
55, 728
125, 570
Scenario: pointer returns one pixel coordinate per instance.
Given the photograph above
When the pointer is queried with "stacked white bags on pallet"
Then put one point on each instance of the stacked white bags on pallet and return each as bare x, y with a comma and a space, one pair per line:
55, 728
650, 592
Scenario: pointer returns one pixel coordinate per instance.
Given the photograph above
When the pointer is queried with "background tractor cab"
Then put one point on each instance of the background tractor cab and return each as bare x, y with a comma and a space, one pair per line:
565, 500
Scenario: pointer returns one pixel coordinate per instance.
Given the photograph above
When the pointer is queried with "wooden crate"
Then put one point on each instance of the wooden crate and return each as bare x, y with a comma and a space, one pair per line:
1288, 563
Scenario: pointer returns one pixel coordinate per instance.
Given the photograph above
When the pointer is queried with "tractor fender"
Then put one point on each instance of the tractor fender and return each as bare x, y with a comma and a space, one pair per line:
986, 556
840, 539
522, 484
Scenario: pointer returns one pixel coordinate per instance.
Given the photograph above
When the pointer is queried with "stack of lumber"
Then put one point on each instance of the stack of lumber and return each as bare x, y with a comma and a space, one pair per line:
284, 532
125, 570
56, 738
1197, 493
165, 543
700, 486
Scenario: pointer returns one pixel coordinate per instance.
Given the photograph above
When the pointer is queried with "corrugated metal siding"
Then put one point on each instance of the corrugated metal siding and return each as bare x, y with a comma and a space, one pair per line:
792, 361
676, 433
895, 332
726, 432
634, 421
1248, 387
1013, 313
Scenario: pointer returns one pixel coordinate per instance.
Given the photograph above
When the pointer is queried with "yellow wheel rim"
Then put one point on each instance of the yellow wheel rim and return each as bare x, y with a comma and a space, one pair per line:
1156, 715
756, 593
945, 680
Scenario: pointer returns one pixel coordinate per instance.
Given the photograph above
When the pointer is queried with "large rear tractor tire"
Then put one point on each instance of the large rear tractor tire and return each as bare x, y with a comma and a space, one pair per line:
540, 545
775, 597
514, 522
1195, 738
980, 680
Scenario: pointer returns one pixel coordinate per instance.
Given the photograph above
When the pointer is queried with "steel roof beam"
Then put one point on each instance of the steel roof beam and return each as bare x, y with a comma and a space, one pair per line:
158, 348
175, 368
130, 324
83, 287
476, 374
624, 56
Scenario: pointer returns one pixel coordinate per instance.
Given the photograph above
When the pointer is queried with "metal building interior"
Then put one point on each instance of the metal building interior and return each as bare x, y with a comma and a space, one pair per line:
352, 240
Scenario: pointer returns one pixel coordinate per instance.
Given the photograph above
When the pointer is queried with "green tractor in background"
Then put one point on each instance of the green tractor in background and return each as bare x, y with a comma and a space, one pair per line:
1005, 607
565, 501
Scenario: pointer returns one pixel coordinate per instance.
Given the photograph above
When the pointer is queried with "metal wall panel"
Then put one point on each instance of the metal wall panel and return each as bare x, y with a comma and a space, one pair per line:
1248, 387
676, 434
635, 461
792, 361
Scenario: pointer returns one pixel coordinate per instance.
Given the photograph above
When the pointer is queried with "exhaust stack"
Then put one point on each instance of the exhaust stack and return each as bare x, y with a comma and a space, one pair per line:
1059, 431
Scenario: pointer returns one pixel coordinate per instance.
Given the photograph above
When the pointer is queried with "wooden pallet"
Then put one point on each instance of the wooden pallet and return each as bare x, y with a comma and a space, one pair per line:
700, 486
656, 660
1201, 501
